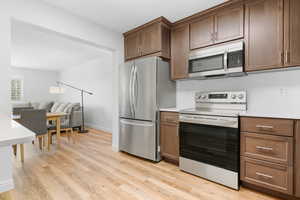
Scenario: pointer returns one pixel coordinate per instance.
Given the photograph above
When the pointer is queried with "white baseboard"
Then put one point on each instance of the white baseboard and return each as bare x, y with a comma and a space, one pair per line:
6, 185
99, 127
115, 149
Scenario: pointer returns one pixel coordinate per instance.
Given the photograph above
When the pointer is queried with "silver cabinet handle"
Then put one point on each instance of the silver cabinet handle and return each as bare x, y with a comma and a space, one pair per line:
170, 120
264, 175
264, 148
265, 128
287, 57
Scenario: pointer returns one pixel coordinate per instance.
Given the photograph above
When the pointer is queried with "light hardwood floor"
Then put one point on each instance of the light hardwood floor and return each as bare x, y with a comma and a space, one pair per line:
91, 170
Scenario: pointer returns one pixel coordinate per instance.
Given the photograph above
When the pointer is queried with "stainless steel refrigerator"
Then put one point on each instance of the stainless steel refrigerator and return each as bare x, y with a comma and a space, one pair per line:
145, 87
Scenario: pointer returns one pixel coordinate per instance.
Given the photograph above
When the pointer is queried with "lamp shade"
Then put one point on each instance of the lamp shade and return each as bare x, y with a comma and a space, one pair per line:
56, 90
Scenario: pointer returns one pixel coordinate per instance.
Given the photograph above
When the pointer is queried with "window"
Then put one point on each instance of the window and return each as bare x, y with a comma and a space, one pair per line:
16, 89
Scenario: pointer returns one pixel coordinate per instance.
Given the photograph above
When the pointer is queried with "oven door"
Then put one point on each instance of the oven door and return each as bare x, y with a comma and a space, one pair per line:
214, 145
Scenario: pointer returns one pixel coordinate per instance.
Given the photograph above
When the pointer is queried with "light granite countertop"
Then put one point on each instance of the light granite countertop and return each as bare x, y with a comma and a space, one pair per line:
14, 133
169, 109
271, 115
252, 114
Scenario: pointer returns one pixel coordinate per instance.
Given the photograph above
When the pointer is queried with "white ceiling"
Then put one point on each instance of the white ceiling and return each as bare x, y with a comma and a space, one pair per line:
36, 48
123, 15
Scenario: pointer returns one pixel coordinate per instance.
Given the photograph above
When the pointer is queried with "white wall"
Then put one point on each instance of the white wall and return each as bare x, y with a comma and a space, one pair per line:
268, 92
5, 36
95, 76
36, 84
5, 33
39, 13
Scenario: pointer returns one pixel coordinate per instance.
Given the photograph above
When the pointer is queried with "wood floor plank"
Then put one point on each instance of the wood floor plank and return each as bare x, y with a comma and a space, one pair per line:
90, 170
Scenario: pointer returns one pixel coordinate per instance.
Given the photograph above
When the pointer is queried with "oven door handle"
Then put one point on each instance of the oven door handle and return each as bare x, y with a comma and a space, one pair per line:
225, 61
213, 122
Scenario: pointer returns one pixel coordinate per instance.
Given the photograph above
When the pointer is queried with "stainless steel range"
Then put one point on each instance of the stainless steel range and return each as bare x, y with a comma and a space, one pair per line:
209, 136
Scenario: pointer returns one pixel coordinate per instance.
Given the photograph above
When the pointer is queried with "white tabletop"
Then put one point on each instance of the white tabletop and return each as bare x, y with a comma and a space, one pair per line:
13, 133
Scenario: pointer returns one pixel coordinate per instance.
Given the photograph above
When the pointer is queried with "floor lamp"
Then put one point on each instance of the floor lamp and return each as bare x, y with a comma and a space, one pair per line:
59, 90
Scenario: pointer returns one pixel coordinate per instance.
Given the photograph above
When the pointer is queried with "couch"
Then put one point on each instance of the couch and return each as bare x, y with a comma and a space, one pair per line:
73, 118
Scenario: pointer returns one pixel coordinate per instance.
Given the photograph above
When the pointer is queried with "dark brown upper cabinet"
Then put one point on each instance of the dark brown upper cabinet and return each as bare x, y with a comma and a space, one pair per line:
179, 52
229, 24
291, 33
221, 26
202, 32
264, 35
152, 38
131, 44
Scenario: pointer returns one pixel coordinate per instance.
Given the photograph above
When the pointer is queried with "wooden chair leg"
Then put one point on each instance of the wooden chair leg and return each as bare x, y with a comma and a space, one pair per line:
49, 140
73, 136
40, 138
15, 148
44, 140
22, 152
68, 134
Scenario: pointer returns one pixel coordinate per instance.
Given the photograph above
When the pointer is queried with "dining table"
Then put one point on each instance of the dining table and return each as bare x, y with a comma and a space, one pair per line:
53, 116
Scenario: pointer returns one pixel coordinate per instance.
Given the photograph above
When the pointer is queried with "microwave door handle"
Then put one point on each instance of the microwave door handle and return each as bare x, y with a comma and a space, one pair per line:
225, 60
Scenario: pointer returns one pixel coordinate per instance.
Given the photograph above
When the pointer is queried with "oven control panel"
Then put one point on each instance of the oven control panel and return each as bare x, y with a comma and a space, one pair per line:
238, 97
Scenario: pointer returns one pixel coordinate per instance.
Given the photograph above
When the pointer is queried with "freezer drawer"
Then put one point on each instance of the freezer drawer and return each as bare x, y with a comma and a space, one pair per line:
138, 138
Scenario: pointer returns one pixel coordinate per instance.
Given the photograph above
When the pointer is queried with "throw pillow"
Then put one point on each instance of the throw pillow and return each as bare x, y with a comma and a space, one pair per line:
45, 106
61, 107
55, 106
68, 108
35, 105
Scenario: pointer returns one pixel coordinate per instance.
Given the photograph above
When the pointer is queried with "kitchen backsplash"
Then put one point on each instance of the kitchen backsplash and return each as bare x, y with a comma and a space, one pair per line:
268, 92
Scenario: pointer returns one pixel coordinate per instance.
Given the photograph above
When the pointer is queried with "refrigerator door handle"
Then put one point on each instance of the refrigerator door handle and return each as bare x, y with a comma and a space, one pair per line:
135, 88
144, 124
130, 90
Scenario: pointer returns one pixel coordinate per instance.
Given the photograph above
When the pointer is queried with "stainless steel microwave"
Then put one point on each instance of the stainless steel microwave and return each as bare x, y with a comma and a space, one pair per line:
221, 60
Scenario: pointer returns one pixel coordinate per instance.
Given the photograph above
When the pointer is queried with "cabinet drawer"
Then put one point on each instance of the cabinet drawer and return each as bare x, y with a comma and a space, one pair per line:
170, 117
282, 127
268, 175
271, 148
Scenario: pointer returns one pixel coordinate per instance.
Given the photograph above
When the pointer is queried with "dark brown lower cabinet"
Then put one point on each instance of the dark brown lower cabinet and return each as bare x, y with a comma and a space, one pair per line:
269, 155
297, 159
267, 175
169, 139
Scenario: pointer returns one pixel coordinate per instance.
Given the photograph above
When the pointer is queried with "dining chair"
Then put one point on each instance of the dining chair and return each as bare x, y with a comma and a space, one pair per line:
63, 127
36, 121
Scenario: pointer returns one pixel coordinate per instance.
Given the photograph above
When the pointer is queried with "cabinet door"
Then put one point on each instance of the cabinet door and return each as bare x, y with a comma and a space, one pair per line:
264, 35
292, 32
229, 24
169, 141
202, 32
179, 52
131, 45
297, 159
151, 39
